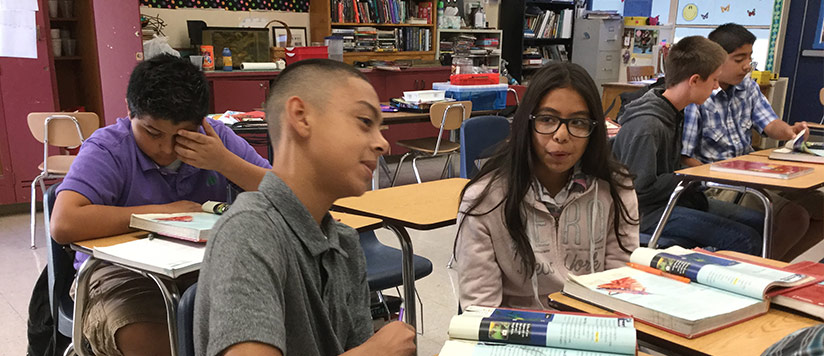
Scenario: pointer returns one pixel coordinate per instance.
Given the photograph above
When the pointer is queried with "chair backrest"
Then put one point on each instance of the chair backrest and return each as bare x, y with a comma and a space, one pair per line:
65, 129
455, 113
635, 73
60, 270
479, 137
517, 93
821, 96
186, 322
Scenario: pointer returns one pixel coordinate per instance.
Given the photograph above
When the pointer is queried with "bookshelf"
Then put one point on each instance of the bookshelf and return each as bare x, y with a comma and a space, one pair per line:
513, 20
413, 41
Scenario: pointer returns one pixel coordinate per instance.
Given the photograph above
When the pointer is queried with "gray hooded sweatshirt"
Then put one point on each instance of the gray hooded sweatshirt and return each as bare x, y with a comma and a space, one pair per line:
649, 144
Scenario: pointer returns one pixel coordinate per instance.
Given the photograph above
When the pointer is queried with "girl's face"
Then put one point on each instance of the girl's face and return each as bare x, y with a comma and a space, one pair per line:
556, 153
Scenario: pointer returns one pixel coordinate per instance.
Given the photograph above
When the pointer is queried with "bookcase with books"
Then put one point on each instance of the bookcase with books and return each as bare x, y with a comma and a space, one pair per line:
377, 29
535, 33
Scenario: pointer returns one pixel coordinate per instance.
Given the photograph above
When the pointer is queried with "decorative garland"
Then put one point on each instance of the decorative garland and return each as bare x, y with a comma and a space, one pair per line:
232, 5
774, 27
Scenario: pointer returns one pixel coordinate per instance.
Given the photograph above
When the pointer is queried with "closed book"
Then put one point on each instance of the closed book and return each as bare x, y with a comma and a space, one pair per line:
543, 330
721, 292
196, 227
171, 258
760, 169
808, 299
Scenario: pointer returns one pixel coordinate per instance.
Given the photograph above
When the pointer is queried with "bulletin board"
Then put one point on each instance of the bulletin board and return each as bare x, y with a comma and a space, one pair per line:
232, 5
715, 12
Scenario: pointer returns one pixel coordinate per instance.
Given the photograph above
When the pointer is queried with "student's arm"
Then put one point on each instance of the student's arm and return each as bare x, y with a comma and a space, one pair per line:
395, 338
764, 117
208, 152
615, 256
74, 218
479, 275
690, 162
781, 130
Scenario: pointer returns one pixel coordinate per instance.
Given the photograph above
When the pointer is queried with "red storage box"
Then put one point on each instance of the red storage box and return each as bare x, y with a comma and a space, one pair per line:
475, 79
294, 54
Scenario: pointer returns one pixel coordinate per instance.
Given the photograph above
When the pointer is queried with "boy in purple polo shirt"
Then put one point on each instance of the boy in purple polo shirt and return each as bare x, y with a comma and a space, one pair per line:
166, 157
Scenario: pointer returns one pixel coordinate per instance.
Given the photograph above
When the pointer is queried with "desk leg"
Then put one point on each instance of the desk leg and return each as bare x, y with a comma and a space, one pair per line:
766, 248
171, 297
410, 314
676, 193
80, 300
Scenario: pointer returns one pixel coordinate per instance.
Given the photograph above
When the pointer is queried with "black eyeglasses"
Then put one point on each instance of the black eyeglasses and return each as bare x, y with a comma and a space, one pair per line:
549, 124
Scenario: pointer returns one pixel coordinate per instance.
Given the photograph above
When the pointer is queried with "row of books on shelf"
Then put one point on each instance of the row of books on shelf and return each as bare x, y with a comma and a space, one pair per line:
549, 24
536, 56
371, 39
381, 11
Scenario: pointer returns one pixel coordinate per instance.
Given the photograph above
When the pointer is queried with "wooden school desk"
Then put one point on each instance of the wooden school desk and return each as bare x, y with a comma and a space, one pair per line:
745, 184
751, 337
168, 288
610, 94
425, 206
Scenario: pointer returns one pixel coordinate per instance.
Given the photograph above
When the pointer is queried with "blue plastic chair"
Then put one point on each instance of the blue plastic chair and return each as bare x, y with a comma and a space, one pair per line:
383, 263
479, 137
61, 274
186, 322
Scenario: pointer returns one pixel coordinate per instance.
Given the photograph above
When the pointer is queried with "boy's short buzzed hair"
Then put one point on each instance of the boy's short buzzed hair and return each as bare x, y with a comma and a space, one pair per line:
731, 36
170, 88
311, 80
693, 55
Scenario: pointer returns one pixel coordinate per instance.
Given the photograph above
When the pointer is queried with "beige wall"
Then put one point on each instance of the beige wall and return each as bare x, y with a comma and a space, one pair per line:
179, 35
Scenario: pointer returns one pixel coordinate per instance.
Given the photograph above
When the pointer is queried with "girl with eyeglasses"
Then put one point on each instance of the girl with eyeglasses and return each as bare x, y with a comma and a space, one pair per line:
551, 201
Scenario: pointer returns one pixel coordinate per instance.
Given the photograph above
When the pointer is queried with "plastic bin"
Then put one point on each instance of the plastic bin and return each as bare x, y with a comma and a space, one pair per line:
483, 97
475, 79
294, 54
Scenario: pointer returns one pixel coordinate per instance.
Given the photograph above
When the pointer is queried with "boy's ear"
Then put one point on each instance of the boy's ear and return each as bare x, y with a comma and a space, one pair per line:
694, 79
295, 117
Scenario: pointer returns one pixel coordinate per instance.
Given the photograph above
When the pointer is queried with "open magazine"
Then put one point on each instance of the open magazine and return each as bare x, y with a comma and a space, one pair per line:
481, 331
801, 149
719, 291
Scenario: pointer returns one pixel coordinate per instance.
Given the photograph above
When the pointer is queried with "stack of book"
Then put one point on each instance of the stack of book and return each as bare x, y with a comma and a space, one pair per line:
348, 35
387, 40
366, 39
502, 331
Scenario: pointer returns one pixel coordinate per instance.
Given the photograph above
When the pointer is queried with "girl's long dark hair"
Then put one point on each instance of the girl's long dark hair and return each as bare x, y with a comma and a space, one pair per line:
513, 161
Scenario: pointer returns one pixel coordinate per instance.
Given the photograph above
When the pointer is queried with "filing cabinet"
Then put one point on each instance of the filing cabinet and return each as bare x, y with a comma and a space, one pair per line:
597, 48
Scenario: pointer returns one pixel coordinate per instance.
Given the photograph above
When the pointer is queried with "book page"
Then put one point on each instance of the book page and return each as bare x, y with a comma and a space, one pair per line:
687, 301
464, 348
730, 275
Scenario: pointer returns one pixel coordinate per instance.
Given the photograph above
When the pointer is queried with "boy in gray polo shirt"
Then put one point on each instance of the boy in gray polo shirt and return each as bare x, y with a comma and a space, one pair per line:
280, 276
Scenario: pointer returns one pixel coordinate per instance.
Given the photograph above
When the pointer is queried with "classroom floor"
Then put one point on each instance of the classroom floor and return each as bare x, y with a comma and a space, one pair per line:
20, 267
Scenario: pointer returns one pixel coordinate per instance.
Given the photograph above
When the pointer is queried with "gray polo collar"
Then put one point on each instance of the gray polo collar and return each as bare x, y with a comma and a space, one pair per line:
298, 218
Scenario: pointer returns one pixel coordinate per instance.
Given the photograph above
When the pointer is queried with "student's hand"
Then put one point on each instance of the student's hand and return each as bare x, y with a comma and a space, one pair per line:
181, 206
395, 338
202, 151
801, 125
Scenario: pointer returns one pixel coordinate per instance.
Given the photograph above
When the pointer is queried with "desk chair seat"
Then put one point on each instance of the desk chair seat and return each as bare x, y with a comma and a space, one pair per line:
186, 322
61, 275
384, 266
638, 73
57, 164
445, 115
58, 129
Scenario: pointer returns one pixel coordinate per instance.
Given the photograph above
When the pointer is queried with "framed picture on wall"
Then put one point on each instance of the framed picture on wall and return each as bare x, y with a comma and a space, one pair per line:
298, 36
818, 41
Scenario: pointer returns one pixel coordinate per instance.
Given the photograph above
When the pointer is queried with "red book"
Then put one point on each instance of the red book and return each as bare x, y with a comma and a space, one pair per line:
355, 9
760, 169
808, 298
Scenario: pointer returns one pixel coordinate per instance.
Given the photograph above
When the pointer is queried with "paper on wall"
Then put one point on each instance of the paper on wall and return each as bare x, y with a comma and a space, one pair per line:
18, 33
18, 5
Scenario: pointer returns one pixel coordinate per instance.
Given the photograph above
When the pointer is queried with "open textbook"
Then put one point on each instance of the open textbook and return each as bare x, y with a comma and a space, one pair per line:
158, 255
720, 292
499, 331
194, 226
800, 149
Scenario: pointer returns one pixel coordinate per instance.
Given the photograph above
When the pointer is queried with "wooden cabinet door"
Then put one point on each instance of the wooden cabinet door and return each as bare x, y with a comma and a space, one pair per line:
239, 95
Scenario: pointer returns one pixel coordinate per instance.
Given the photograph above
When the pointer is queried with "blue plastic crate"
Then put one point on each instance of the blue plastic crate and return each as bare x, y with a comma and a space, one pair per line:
483, 97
